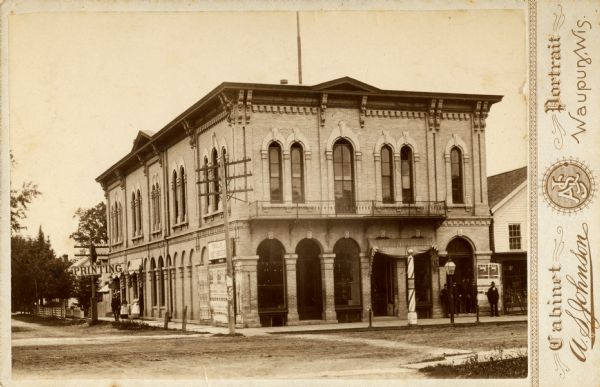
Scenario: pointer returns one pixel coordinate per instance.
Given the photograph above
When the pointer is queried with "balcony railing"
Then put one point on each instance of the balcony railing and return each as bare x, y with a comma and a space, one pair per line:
364, 208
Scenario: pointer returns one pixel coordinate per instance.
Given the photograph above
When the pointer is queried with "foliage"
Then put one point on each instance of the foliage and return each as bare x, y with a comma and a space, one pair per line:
92, 225
83, 291
132, 325
36, 272
19, 200
494, 366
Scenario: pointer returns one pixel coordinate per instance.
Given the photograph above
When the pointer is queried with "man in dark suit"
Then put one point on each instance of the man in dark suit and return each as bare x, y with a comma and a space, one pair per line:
492, 296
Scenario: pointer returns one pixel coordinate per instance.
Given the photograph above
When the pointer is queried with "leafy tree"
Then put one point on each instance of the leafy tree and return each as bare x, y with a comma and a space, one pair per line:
92, 225
19, 200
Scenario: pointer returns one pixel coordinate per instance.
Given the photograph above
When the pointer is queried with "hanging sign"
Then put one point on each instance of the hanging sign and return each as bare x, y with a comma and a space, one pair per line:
115, 268
216, 250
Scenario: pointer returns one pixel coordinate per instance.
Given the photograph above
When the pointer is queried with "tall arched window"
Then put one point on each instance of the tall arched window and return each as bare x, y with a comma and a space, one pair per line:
275, 178
406, 171
183, 193
158, 214
215, 184
297, 158
387, 173
175, 197
456, 173
138, 203
207, 177
133, 214
343, 175
120, 222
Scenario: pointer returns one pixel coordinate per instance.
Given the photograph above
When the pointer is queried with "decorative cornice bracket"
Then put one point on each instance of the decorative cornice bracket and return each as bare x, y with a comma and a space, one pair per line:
323, 108
363, 111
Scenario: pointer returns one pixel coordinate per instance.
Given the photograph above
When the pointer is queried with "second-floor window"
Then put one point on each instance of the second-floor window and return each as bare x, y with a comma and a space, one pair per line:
215, 183
297, 161
406, 171
133, 214
275, 181
343, 176
182, 193
387, 174
514, 236
456, 173
155, 206
175, 189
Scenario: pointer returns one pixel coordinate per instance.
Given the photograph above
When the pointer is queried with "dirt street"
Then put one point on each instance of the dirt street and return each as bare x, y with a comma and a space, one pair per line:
160, 354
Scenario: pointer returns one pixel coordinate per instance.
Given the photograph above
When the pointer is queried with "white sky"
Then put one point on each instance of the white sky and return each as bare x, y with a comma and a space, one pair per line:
82, 84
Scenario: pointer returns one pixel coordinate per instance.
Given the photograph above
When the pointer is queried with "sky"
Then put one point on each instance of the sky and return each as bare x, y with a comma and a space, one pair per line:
81, 85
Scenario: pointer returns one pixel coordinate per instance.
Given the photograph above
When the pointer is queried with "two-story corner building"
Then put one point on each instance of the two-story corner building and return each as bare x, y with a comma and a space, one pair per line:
338, 183
507, 198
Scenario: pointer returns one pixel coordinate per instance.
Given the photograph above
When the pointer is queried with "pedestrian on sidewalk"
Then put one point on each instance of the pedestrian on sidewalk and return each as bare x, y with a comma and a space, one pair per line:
492, 296
115, 306
124, 309
444, 299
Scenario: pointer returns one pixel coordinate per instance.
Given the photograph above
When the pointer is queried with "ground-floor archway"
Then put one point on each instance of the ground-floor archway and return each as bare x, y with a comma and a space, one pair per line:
308, 280
270, 278
347, 280
383, 285
461, 253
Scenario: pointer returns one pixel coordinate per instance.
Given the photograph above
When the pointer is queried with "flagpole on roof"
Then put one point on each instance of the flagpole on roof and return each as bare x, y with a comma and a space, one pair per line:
299, 48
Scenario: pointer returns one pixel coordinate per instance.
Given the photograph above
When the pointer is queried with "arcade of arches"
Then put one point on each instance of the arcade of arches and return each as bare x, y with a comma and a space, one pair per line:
308, 284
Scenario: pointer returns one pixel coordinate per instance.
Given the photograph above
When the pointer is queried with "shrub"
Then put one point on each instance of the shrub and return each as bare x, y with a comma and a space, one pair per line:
496, 365
132, 325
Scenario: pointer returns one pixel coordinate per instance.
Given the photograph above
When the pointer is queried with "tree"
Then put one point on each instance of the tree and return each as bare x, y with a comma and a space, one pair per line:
36, 272
19, 200
92, 225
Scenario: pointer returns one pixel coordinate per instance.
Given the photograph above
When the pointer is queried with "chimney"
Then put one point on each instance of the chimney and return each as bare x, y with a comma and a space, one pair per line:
65, 257
283, 82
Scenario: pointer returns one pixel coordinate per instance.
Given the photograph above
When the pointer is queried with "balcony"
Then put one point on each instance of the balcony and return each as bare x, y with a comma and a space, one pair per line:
359, 209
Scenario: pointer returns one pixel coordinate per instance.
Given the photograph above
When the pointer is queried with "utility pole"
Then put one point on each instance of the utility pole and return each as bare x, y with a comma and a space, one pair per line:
93, 303
229, 276
224, 193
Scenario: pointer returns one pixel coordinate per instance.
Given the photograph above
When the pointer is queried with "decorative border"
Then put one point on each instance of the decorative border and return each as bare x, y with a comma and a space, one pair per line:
534, 361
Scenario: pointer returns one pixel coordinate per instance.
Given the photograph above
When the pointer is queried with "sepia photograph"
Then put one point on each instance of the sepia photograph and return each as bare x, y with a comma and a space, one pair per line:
282, 193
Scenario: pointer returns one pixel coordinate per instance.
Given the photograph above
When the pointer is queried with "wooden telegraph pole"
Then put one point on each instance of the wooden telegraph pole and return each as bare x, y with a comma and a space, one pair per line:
222, 166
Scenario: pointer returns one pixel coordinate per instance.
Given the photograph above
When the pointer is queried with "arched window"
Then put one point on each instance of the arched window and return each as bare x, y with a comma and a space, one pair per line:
175, 198
139, 212
133, 214
297, 158
153, 281
207, 177
112, 223
387, 174
343, 175
158, 215
275, 182
120, 222
183, 193
406, 171
215, 184
456, 173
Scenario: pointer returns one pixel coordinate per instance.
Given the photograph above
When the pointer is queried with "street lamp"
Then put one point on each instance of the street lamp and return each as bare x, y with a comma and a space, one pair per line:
450, 267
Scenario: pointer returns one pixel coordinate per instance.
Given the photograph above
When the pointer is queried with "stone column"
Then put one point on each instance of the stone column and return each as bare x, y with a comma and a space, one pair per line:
397, 177
182, 280
437, 310
328, 286
127, 284
246, 290
330, 181
191, 281
287, 177
365, 266
401, 278
173, 290
377, 176
292, 293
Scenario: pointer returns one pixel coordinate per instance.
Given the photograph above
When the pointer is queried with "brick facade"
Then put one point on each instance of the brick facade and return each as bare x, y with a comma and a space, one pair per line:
245, 120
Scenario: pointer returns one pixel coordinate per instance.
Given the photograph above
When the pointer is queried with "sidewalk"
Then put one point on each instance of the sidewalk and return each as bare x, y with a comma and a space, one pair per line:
378, 323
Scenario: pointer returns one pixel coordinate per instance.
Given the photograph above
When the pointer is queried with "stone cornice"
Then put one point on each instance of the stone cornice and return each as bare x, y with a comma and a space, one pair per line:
467, 222
284, 109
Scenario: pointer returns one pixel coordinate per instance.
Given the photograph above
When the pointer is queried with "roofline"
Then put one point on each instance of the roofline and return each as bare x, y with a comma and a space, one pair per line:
293, 88
509, 196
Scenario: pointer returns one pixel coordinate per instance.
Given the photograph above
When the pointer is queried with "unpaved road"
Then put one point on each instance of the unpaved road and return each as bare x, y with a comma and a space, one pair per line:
168, 355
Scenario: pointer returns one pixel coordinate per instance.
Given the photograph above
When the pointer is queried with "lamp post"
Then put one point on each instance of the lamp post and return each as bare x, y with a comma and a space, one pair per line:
450, 267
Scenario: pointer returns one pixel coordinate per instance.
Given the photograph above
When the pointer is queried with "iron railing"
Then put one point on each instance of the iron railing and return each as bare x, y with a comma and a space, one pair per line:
363, 208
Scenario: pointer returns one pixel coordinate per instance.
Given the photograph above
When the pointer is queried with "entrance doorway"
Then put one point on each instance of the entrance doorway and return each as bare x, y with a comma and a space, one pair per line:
461, 253
423, 285
272, 308
308, 280
383, 292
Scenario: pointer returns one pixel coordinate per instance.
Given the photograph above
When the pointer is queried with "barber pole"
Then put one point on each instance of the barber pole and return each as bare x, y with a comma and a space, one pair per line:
412, 312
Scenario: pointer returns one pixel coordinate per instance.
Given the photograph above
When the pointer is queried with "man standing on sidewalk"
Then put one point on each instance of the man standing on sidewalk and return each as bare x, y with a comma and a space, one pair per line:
115, 305
492, 296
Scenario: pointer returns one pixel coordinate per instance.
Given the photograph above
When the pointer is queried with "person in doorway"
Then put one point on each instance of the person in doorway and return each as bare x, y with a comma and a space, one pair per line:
444, 299
115, 306
492, 296
124, 310
141, 301
457, 297
467, 290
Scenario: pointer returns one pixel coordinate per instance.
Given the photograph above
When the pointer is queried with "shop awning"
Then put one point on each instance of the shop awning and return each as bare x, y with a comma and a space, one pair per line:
133, 265
398, 247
